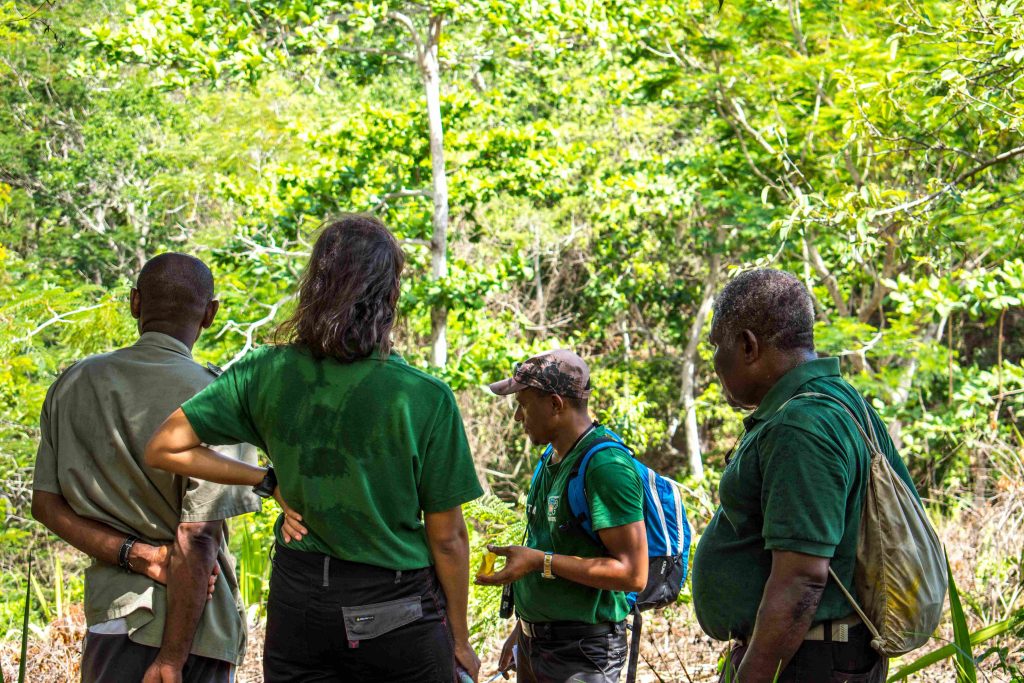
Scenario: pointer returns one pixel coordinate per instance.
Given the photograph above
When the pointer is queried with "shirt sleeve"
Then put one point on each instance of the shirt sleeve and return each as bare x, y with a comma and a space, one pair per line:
222, 412
805, 485
44, 477
205, 501
614, 490
447, 475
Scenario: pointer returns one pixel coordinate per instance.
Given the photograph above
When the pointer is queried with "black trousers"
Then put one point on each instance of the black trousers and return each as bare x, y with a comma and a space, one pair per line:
821, 662
114, 658
334, 621
597, 659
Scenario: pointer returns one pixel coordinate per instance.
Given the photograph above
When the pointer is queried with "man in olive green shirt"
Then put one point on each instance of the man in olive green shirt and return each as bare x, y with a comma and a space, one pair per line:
92, 488
570, 592
791, 495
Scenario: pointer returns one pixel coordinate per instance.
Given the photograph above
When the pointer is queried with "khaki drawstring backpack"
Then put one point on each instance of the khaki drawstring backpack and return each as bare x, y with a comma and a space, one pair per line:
900, 572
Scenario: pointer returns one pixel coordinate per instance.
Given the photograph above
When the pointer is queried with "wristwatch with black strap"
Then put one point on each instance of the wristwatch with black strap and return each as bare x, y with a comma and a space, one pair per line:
265, 489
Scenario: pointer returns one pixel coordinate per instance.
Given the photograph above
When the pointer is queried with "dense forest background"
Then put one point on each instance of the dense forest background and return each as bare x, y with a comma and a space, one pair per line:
582, 173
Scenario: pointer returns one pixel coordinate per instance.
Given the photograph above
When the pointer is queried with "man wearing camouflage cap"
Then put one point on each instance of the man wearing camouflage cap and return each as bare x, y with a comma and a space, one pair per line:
570, 592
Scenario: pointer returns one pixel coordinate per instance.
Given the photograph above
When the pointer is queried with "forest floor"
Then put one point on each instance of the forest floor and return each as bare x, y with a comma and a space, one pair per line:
674, 650
985, 544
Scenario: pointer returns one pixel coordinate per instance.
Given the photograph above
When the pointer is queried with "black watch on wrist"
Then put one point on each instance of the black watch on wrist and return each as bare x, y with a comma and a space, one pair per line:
265, 489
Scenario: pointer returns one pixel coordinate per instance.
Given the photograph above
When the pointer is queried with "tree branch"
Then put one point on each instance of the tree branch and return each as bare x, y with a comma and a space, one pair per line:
405, 21
61, 318
251, 328
998, 159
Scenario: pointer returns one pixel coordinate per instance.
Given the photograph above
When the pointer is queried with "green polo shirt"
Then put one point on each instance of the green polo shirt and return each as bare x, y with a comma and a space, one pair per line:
796, 482
360, 449
95, 423
616, 498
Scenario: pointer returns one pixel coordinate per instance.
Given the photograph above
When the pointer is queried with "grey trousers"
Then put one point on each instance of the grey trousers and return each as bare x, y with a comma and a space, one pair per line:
108, 658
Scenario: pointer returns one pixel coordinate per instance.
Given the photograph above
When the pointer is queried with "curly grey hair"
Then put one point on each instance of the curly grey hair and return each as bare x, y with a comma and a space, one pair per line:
773, 304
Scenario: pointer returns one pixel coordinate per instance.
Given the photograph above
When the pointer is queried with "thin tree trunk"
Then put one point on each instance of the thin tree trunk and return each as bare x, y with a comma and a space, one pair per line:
439, 240
687, 398
902, 393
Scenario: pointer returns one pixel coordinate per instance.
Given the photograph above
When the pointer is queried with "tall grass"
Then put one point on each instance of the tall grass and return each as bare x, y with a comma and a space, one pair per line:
965, 669
23, 664
253, 571
980, 636
962, 647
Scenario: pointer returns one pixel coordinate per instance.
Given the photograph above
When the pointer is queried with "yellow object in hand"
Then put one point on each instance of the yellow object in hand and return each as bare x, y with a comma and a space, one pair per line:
487, 563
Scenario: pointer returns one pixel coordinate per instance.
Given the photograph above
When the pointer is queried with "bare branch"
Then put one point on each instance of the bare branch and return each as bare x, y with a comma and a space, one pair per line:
61, 318
405, 21
260, 249
250, 330
376, 51
906, 206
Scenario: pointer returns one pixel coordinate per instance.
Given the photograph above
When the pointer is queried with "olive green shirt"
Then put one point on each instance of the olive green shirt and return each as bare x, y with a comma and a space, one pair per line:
616, 498
95, 423
360, 449
796, 482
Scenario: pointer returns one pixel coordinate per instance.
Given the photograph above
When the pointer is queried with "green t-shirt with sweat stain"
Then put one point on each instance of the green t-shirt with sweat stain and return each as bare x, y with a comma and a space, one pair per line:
359, 449
796, 483
616, 497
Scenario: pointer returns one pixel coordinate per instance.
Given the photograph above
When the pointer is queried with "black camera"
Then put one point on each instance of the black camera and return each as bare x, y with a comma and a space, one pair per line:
508, 603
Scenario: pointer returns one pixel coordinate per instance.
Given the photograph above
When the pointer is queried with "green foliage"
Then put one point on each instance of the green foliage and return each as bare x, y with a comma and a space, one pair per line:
611, 164
978, 637
23, 661
966, 672
493, 522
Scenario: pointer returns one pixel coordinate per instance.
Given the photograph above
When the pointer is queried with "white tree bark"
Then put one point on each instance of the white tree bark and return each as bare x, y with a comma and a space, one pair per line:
430, 71
687, 398
430, 68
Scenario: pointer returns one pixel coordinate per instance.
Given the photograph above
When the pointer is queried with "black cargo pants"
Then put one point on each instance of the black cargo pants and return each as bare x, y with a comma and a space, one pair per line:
337, 621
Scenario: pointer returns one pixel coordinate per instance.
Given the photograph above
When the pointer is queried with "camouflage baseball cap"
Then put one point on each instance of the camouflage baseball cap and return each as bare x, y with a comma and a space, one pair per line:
559, 372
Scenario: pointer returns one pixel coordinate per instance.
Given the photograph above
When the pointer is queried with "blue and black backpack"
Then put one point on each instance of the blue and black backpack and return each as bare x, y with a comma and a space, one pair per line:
668, 532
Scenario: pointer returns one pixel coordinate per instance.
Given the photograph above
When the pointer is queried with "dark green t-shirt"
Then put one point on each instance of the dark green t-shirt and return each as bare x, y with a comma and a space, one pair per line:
796, 482
359, 448
616, 498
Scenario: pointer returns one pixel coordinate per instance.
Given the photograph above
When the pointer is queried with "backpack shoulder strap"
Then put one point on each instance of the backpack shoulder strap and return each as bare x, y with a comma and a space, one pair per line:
871, 439
576, 489
543, 459
536, 470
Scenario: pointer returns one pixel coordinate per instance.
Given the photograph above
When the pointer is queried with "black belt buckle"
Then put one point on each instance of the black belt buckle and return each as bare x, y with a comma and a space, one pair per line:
567, 631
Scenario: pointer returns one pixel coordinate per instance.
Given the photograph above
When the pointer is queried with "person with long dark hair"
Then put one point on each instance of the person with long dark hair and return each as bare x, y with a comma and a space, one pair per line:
371, 451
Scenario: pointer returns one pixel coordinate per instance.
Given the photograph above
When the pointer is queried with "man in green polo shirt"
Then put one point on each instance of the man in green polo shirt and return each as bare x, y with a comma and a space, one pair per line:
155, 538
570, 592
791, 496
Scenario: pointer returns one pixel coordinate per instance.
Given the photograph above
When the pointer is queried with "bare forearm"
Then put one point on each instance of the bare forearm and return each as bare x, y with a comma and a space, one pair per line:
448, 541
207, 464
604, 573
175, 447
452, 566
97, 540
192, 560
783, 618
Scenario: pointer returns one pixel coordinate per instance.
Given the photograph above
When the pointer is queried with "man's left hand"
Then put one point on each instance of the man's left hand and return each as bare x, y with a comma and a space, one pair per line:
159, 672
519, 561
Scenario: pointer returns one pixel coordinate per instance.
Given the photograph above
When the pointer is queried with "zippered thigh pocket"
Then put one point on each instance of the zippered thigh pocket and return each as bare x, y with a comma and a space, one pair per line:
364, 622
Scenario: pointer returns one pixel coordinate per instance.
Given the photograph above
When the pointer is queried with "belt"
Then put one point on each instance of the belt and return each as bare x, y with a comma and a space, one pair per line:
833, 630
568, 630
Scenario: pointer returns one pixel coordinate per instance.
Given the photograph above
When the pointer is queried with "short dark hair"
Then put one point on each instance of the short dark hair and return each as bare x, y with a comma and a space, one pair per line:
348, 296
579, 405
175, 287
773, 304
